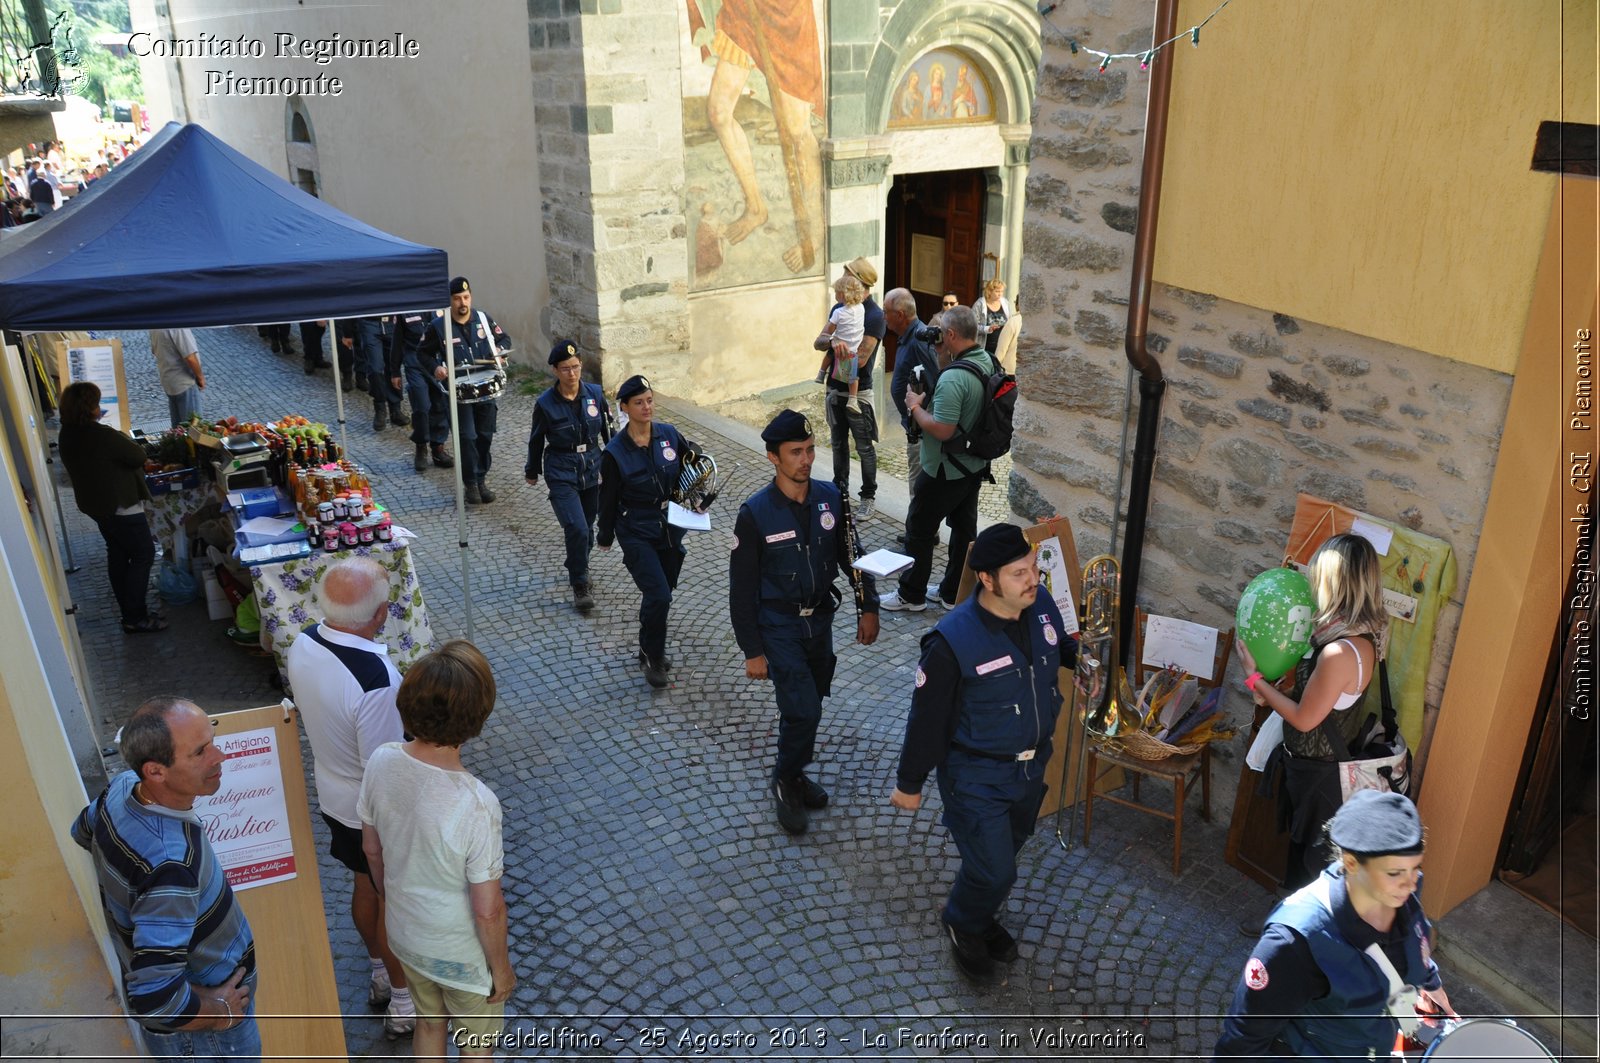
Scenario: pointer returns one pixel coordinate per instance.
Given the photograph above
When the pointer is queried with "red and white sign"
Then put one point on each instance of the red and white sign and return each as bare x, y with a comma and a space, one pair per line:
246, 820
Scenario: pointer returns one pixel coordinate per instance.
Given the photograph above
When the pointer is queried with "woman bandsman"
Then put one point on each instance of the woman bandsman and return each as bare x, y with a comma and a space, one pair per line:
1319, 982
571, 426
639, 473
1322, 708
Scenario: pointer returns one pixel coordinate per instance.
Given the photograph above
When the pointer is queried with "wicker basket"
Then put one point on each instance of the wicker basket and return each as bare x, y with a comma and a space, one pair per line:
1145, 746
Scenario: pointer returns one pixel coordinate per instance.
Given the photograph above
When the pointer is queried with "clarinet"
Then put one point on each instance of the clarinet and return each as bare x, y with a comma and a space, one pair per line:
856, 579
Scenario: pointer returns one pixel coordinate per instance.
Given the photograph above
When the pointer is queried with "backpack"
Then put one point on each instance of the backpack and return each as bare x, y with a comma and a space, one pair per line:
990, 435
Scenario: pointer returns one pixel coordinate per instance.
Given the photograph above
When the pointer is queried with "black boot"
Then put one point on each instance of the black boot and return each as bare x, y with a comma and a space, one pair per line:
442, 458
582, 600
484, 492
971, 952
813, 795
380, 417
655, 673
420, 462
398, 416
788, 801
1001, 945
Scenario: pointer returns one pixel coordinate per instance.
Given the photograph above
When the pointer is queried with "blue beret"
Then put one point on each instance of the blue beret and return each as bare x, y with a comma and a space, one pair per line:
997, 546
563, 350
1377, 823
787, 427
634, 385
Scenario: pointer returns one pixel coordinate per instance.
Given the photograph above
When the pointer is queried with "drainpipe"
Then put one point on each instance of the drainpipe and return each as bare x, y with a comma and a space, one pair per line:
1152, 382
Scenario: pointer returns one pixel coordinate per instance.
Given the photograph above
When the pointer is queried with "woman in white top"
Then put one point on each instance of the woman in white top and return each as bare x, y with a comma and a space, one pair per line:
1320, 700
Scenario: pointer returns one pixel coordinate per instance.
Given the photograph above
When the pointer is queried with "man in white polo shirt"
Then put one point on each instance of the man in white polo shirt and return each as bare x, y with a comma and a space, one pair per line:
345, 687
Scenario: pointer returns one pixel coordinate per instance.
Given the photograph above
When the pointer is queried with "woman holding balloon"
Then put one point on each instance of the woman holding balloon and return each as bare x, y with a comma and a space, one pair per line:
1319, 698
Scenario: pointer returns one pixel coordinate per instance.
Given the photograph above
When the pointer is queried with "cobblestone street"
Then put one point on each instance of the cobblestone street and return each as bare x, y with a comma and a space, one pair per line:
652, 896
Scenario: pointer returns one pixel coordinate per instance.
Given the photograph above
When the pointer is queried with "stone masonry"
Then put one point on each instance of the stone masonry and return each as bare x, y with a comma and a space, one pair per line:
1259, 406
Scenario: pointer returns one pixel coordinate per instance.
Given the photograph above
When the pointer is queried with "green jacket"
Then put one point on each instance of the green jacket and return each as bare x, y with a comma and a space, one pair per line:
105, 466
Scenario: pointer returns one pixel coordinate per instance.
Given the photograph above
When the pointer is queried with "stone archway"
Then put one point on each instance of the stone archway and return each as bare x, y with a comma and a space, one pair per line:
300, 142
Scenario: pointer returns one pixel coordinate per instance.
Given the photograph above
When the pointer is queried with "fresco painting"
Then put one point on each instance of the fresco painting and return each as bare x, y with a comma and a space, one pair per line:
753, 118
942, 87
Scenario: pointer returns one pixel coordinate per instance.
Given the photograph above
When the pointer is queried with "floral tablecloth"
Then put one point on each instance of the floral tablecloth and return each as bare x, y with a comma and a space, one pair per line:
285, 599
168, 511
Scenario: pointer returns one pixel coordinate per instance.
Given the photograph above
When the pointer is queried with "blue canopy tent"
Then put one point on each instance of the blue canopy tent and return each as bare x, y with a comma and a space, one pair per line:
189, 233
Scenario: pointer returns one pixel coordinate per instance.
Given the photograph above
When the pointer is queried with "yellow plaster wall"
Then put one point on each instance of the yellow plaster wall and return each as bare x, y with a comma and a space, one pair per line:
1365, 164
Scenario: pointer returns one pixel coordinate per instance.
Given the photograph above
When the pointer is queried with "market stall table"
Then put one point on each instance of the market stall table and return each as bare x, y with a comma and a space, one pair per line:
169, 510
284, 597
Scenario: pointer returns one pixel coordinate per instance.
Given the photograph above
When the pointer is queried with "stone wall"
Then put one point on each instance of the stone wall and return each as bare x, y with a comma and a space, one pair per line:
610, 125
1259, 405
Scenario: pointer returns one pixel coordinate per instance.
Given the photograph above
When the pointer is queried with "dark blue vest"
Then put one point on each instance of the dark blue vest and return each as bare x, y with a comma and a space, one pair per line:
568, 425
1351, 1019
649, 475
798, 564
1009, 702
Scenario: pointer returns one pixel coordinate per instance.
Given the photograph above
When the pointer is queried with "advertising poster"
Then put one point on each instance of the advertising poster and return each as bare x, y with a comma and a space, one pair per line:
247, 821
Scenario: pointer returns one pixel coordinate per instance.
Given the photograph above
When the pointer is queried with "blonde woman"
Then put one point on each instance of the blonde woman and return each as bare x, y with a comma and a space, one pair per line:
1320, 701
992, 311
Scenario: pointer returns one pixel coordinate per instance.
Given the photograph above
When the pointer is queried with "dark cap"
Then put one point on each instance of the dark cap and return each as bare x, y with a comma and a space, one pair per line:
997, 546
1377, 823
563, 350
787, 427
632, 386
459, 285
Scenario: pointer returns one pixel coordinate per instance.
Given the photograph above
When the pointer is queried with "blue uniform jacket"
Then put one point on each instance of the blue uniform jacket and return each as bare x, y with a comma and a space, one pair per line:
402, 333
636, 483
567, 438
475, 341
1009, 700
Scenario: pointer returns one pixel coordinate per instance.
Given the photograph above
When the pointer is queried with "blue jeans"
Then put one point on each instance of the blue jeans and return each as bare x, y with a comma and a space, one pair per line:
800, 662
243, 1042
989, 808
181, 407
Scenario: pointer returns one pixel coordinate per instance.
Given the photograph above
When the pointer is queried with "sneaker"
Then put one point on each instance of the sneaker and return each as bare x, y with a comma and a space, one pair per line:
971, 952
420, 462
484, 492
812, 795
378, 990
892, 602
397, 1025
1001, 945
788, 801
942, 602
442, 458
866, 507
582, 600
853, 404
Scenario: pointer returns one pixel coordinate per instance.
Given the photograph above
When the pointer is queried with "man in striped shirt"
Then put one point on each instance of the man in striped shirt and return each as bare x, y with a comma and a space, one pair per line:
187, 954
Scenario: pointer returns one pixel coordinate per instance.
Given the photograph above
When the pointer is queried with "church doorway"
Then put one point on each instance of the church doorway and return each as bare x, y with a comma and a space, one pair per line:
933, 237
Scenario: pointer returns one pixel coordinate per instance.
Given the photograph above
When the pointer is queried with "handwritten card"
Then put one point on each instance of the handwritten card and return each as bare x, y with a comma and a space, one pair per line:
1173, 643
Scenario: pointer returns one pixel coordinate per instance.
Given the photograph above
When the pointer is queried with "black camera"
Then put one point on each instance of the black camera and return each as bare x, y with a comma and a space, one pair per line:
932, 335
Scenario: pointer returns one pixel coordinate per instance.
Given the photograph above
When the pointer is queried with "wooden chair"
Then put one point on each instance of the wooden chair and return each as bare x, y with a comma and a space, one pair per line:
1180, 770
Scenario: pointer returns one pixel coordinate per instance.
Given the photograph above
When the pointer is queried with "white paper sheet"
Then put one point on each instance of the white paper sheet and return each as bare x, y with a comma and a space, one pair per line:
1374, 533
1173, 643
267, 527
881, 564
679, 517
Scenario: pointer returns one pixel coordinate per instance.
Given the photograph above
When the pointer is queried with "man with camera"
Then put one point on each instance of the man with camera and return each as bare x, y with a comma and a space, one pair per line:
916, 368
947, 488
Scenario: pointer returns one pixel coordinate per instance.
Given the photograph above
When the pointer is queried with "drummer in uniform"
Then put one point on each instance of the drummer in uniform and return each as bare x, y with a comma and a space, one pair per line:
475, 339
639, 473
571, 425
789, 542
1314, 984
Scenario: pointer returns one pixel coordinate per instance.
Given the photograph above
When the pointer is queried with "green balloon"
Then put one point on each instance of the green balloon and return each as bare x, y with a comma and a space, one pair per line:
1274, 620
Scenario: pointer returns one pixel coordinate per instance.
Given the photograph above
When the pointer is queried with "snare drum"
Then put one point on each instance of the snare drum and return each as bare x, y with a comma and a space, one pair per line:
1486, 1039
479, 385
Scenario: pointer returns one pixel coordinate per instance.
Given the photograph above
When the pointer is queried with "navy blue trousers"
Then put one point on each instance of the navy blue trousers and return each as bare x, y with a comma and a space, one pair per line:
990, 807
654, 559
477, 421
430, 417
576, 511
800, 663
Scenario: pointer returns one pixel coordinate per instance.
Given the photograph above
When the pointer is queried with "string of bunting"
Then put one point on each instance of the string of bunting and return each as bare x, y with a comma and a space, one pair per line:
1145, 57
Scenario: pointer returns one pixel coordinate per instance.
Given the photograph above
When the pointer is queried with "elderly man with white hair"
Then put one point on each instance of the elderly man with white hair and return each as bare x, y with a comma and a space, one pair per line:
345, 687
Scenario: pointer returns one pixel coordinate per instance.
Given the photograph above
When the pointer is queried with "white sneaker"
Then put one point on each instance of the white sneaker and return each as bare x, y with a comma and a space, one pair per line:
379, 990
853, 404
895, 604
396, 1024
866, 508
